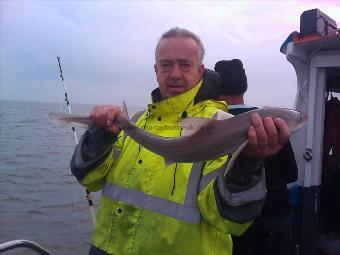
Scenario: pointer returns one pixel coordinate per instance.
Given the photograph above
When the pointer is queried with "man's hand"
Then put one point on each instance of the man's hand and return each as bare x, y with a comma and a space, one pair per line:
104, 115
266, 137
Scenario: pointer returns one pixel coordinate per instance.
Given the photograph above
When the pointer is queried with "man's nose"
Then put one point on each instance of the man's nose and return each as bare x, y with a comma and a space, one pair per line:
175, 71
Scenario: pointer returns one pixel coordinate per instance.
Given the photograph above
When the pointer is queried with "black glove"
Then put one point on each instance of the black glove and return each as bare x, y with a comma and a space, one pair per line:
243, 174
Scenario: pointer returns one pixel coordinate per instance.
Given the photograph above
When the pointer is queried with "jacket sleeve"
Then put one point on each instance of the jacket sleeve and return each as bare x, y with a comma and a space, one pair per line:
93, 156
283, 164
231, 202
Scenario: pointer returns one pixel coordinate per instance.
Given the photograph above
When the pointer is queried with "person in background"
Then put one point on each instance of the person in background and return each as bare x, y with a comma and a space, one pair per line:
149, 207
272, 233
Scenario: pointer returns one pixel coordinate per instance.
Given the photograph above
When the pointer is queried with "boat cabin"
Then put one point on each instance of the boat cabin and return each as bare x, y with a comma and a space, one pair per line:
314, 53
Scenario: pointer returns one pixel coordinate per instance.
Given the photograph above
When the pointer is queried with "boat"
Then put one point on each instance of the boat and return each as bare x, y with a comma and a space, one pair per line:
314, 52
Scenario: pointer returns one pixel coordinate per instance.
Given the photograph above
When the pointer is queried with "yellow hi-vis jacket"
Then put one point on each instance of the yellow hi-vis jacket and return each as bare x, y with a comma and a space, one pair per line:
148, 208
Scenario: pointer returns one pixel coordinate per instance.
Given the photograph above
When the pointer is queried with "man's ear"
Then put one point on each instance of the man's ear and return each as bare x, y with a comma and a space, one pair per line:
201, 70
156, 71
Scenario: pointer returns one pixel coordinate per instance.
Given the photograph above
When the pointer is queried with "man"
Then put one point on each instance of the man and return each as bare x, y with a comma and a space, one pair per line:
272, 232
147, 207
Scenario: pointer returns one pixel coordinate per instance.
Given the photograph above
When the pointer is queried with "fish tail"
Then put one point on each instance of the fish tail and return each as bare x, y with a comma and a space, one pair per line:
125, 113
58, 119
62, 120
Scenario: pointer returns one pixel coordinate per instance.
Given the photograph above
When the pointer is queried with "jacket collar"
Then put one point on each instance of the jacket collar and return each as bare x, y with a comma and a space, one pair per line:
173, 105
207, 88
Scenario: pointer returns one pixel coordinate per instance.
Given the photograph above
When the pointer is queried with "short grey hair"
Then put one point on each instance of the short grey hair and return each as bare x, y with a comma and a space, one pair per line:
177, 32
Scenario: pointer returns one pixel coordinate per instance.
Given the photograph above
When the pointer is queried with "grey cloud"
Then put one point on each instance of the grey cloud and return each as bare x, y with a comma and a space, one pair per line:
107, 47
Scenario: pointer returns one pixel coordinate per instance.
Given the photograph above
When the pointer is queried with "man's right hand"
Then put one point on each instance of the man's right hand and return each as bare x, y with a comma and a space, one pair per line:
104, 115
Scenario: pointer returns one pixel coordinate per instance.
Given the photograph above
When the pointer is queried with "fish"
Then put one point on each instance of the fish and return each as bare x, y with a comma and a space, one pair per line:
202, 139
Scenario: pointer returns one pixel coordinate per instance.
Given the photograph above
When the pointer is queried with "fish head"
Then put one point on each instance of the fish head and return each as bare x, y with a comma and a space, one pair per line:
295, 119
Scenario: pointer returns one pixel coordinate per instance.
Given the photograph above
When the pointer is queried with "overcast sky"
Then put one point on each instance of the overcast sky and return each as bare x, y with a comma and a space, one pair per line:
107, 47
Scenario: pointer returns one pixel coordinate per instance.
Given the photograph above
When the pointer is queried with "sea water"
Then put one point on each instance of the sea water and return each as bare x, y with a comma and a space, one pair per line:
40, 200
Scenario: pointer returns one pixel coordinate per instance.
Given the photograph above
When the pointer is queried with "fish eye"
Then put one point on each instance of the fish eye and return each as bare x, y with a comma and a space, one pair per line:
299, 118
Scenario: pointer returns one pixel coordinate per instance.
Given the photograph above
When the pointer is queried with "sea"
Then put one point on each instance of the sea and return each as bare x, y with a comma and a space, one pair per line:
40, 200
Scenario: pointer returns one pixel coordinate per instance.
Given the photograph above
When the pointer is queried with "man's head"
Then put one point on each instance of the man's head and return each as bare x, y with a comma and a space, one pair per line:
179, 54
233, 77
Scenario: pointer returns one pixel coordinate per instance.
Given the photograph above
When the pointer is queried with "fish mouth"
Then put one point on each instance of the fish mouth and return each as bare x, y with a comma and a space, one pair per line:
304, 117
301, 121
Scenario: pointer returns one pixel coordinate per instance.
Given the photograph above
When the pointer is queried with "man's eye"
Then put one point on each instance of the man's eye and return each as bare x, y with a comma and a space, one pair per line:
166, 65
186, 66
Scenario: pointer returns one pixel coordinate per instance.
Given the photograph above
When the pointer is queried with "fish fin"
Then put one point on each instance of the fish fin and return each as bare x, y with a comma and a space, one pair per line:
191, 125
125, 113
168, 162
62, 120
222, 115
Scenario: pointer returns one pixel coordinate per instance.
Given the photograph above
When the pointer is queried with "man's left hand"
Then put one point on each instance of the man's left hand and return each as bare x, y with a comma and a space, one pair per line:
266, 137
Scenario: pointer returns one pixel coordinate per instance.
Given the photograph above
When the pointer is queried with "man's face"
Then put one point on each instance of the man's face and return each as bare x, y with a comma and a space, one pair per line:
177, 66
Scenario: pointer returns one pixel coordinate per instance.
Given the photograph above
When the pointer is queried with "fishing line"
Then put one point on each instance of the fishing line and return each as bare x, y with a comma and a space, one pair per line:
78, 221
306, 82
63, 110
234, 157
88, 194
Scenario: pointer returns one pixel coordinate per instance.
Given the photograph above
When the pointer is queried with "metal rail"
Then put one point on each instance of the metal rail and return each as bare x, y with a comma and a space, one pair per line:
23, 244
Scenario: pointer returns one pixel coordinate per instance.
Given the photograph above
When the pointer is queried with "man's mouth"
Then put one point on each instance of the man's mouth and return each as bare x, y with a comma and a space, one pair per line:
175, 86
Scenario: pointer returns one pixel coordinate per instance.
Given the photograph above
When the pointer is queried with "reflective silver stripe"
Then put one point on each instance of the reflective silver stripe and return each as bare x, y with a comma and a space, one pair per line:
238, 106
134, 118
115, 153
255, 193
192, 188
188, 211
152, 203
205, 180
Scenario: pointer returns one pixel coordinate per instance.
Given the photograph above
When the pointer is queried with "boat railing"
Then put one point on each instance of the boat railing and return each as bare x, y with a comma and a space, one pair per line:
10, 245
